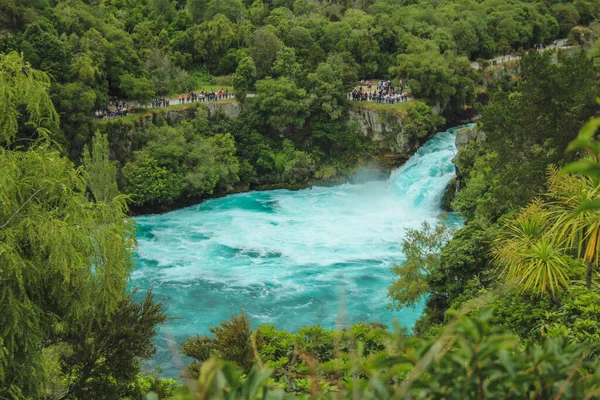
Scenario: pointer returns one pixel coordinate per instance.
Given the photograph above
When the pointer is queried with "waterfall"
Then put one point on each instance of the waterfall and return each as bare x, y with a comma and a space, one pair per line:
292, 258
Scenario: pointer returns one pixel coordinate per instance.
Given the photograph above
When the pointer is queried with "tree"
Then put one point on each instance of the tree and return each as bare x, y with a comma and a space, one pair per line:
532, 257
76, 102
102, 173
526, 129
286, 64
282, 103
177, 161
548, 96
232, 341
244, 77
464, 261
257, 12
104, 356
423, 121
574, 224
365, 50
12, 13
147, 183
62, 255
160, 71
232, 9
196, 9
422, 249
264, 49
210, 164
301, 40
465, 37
24, 87
139, 89
162, 9
567, 17
78, 256
326, 88
436, 77
44, 50
212, 39
225, 161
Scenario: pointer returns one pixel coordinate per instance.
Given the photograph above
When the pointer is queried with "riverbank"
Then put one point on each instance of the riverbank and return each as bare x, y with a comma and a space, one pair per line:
244, 188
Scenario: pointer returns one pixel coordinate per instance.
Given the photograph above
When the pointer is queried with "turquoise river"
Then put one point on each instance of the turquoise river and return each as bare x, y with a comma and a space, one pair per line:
291, 258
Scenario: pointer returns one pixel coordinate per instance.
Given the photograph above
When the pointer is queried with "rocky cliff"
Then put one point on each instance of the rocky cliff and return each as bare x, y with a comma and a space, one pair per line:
399, 129
227, 109
387, 128
465, 136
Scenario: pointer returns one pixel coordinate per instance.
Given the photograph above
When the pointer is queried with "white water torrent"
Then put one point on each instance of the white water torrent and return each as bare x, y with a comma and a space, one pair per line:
290, 258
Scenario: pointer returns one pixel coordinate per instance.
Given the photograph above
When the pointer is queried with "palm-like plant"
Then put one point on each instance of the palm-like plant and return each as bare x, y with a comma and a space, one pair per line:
573, 223
530, 256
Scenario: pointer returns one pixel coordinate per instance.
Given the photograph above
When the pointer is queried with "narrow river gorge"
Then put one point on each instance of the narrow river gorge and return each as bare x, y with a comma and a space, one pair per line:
291, 258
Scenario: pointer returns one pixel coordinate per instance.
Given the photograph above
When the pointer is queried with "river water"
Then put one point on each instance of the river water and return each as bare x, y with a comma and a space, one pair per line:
292, 258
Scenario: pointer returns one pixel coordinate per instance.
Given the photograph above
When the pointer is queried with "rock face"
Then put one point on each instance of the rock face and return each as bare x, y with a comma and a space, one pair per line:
226, 110
176, 116
465, 136
387, 128
229, 110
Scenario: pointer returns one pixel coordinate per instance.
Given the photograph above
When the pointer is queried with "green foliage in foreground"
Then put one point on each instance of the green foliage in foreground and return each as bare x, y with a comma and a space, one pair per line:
467, 361
101, 359
69, 329
526, 127
232, 341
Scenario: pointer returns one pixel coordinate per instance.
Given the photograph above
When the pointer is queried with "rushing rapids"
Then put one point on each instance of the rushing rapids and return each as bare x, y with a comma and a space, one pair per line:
292, 258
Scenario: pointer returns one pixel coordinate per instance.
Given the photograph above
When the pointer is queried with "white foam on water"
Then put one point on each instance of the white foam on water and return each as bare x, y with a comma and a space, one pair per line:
285, 255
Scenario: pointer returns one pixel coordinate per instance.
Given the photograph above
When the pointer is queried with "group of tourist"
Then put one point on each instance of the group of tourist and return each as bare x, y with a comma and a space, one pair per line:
161, 102
385, 92
205, 96
116, 108
112, 113
119, 108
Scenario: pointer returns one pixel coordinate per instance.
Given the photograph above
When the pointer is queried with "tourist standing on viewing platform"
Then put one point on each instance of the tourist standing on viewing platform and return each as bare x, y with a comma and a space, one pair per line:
384, 92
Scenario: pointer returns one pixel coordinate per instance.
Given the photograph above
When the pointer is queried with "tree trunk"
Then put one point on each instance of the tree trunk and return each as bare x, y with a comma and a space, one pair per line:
554, 299
588, 274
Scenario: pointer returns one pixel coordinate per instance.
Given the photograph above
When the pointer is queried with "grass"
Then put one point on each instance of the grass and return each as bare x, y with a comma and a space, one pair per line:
398, 108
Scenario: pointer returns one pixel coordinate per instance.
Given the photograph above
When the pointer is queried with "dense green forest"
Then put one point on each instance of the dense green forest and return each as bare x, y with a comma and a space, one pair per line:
512, 297
300, 57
